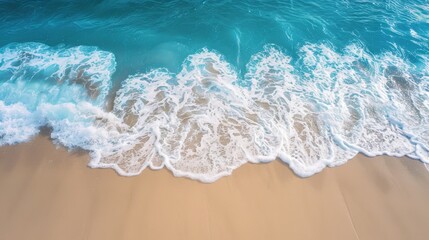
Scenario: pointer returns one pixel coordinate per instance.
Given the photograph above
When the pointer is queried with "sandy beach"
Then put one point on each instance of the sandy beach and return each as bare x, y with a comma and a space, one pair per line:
50, 193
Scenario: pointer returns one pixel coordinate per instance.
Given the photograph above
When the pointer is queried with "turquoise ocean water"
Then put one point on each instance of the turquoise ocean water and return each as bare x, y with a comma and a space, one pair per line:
202, 87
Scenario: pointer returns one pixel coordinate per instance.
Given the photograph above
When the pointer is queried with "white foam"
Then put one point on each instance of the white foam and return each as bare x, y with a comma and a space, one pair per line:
42, 85
34, 73
16, 124
205, 121
198, 121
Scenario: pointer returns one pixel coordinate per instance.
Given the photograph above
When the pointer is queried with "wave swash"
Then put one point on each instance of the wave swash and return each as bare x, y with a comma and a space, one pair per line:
318, 110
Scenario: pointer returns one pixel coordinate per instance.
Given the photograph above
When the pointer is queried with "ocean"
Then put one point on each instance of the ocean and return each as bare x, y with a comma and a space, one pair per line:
202, 87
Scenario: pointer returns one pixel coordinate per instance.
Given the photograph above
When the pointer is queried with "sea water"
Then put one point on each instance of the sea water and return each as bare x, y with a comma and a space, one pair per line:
202, 87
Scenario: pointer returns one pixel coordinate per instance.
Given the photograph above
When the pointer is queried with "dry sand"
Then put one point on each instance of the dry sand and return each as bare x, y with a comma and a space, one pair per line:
49, 193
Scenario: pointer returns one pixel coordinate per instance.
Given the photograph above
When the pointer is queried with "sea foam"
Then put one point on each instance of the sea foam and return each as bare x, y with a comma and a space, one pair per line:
203, 122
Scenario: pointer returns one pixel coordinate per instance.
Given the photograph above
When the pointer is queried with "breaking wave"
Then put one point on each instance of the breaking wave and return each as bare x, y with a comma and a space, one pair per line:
317, 110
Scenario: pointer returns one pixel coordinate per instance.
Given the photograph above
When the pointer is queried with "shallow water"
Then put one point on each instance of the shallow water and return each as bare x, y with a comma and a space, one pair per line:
201, 87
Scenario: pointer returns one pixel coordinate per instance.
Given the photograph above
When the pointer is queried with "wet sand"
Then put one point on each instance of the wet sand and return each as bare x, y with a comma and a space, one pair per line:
49, 193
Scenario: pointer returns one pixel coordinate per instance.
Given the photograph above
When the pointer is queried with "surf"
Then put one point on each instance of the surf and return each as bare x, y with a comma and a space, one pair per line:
312, 111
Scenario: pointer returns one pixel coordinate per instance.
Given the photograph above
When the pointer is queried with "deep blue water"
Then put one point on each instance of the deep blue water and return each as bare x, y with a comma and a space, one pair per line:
201, 87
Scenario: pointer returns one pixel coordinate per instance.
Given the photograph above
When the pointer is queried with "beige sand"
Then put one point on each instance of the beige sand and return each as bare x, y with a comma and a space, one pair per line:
49, 193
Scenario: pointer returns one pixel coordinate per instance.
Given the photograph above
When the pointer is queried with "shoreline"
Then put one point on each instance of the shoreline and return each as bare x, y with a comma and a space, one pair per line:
50, 193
